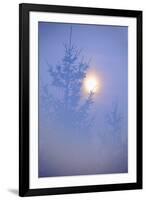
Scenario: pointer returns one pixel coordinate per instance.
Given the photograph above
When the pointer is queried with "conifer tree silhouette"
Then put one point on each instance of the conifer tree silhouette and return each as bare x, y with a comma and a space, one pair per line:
114, 117
68, 76
114, 121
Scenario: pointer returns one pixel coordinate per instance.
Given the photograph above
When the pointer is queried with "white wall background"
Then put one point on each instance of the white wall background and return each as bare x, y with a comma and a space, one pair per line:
9, 98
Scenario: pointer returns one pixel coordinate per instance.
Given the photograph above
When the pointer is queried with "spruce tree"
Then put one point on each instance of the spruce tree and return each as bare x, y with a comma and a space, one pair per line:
68, 76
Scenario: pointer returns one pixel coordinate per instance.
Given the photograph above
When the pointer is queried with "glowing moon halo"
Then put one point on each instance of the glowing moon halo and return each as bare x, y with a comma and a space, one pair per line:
92, 84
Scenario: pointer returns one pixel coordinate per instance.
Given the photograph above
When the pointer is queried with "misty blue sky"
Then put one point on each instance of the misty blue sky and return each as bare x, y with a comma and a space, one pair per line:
107, 49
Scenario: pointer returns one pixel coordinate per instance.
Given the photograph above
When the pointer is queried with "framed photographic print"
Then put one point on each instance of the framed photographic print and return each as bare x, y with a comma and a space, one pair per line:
80, 100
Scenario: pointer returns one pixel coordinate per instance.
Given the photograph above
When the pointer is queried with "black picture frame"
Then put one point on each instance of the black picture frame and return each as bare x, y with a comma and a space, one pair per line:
24, 56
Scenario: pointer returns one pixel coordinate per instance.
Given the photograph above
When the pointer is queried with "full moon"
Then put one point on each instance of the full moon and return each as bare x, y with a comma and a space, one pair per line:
92, 84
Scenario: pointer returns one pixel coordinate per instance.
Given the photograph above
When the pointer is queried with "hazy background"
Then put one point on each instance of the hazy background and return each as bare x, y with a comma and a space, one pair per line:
103, 147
